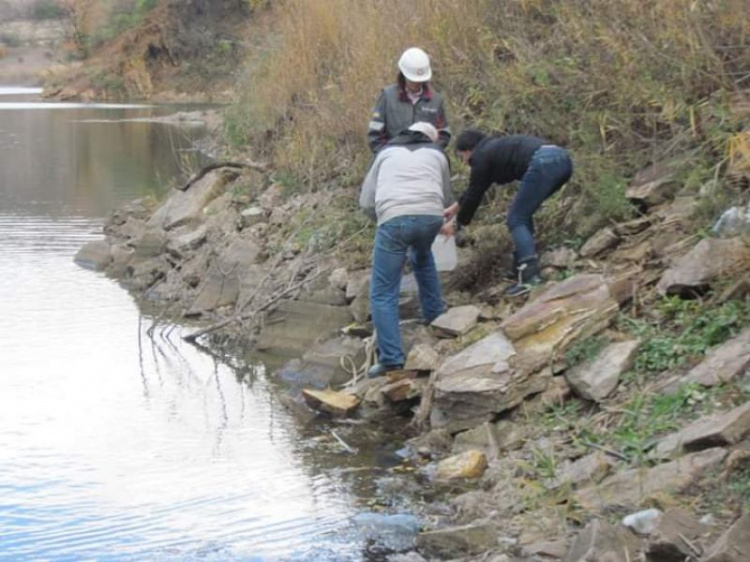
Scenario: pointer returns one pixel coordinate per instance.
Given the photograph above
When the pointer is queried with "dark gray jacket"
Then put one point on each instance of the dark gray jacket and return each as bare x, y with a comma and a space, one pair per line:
395, 112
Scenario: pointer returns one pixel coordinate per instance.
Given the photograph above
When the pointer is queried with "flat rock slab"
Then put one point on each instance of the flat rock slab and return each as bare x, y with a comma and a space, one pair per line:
564, 312
629, 487
710, 260
336, 403
595, 380
725, 363
600, 242
600, 542
457, 321
711, 431
653, 185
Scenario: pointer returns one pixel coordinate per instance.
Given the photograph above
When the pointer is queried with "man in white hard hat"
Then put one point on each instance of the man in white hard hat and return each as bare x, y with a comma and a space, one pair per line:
409, 101
407, 190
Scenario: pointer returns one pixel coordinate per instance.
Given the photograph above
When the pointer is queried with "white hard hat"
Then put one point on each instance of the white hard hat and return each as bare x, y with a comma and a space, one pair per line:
426, 128
414, 64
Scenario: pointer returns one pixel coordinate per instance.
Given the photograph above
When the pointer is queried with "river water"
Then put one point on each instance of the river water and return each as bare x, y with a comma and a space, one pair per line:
113, 445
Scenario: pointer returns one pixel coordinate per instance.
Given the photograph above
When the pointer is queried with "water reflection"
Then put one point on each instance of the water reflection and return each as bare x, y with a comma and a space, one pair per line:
115, 445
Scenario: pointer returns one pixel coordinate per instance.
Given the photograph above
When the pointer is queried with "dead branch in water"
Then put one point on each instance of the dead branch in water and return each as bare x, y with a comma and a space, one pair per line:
258, 166
239, 317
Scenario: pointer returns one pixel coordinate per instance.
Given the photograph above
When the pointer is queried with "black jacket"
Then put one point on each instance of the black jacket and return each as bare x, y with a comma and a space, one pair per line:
497, 160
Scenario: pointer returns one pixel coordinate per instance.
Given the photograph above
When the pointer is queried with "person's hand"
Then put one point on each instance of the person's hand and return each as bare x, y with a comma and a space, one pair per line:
448, 228
450, 212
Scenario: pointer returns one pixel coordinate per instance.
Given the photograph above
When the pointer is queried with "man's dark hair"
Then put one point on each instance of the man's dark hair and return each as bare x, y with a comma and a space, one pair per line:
468, 139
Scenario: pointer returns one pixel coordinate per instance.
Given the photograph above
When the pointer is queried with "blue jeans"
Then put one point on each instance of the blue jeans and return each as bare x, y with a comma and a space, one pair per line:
549, 169
410, 235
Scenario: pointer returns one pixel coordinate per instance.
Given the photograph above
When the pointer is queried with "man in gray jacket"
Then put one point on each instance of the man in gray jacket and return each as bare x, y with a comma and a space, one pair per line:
406, 190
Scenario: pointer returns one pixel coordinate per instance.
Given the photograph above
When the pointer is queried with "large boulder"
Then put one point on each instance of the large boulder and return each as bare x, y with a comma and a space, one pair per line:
185, 207
710, 260
565, 312
479, 382
95, 255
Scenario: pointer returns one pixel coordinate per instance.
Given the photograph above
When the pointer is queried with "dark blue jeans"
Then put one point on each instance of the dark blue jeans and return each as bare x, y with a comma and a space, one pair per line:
401, 237
550, 168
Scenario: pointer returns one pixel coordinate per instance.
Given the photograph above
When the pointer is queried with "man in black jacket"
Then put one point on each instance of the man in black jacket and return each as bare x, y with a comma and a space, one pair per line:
542, 169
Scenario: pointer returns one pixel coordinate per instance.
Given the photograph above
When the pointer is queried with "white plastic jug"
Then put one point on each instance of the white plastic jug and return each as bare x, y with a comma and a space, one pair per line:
444, 252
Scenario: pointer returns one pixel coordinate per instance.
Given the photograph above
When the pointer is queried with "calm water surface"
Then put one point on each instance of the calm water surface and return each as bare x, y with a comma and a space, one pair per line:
114, 446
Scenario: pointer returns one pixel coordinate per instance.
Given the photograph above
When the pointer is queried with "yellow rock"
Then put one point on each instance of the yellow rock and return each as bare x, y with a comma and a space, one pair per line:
337, 403
470, 464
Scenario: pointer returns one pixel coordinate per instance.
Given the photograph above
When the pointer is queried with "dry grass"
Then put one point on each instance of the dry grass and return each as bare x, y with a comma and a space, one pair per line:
619, 83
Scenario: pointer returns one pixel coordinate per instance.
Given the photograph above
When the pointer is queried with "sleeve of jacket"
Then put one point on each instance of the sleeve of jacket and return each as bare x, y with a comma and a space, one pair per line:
376, 131
479, 182
441, 124
369, 188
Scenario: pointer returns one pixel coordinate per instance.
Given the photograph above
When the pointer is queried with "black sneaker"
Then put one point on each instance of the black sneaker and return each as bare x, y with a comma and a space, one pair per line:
379, 370
520, 289
528, 277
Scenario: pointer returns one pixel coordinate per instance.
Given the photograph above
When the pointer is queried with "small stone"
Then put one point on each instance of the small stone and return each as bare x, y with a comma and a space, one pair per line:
470, 464
339, 278
643, 522
252, 216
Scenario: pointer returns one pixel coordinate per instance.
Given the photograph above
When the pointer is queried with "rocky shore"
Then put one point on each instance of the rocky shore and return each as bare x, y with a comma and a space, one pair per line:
536, 426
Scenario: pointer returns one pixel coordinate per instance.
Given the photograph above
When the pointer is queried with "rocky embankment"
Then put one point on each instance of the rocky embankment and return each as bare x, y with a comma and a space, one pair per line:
514, 429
